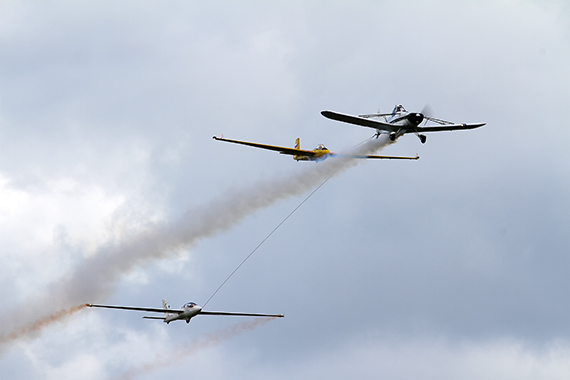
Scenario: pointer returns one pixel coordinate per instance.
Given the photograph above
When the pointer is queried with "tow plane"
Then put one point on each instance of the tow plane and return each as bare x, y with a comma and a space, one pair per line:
320, 153
400, 122
187, 312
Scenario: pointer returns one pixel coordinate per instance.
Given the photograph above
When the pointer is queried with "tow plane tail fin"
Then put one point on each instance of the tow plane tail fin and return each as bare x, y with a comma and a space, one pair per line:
298, 143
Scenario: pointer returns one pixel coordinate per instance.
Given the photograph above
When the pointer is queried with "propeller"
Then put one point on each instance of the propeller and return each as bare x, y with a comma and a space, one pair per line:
427, 111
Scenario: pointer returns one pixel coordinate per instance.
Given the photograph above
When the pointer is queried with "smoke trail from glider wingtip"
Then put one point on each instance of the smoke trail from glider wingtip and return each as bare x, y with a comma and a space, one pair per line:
94, 278
203, 342
40, 324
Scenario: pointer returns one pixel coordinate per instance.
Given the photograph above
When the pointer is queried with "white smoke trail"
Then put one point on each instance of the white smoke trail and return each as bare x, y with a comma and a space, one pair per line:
39, 324
94, 278
206, 341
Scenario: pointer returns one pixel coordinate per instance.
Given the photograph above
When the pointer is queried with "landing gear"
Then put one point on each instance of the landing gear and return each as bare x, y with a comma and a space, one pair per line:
393, 136
423, 138
187, 321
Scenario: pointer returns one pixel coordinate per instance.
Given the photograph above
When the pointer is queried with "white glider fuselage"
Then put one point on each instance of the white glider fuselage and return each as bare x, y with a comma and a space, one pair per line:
190, 311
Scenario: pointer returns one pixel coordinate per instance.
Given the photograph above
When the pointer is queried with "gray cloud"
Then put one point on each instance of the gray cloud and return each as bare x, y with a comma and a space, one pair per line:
468, 243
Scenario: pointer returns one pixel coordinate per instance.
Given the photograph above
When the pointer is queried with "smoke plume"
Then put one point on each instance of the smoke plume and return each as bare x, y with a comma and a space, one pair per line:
206, 341
39, 324
94, 277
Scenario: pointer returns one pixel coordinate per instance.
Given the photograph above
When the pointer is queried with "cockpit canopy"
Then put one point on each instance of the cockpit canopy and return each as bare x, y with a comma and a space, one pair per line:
321, 147
189, 305
399, 108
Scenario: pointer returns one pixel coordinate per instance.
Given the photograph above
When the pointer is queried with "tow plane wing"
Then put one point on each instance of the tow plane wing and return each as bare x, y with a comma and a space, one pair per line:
359, 120
400, 122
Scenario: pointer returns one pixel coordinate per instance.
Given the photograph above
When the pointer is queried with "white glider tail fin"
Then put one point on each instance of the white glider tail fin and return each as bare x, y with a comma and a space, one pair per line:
167, 312
166, 307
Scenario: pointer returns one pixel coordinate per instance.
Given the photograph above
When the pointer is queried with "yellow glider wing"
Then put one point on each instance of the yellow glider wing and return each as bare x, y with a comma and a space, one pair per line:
280, 149
417, 157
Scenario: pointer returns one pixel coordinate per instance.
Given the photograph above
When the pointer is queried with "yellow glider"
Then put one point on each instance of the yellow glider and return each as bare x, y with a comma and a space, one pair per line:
320, 153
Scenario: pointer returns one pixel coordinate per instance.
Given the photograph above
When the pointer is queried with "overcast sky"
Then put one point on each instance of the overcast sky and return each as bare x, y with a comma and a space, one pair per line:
113, 191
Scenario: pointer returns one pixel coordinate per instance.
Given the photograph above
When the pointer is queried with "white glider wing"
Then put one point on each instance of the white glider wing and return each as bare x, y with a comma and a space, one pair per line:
149, 309
241, 314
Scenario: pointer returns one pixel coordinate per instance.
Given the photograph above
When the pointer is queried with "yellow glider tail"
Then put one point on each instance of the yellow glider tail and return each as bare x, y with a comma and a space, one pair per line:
302, 156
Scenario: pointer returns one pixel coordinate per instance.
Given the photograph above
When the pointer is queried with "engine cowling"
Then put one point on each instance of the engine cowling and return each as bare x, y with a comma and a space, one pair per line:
416, 118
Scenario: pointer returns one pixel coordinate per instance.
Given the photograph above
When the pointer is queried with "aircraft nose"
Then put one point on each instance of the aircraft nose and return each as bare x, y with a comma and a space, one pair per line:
416, 118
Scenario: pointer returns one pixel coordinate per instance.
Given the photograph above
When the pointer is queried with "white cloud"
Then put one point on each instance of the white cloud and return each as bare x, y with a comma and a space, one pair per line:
439, 359
43, 229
